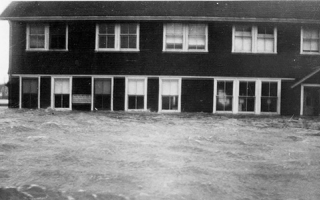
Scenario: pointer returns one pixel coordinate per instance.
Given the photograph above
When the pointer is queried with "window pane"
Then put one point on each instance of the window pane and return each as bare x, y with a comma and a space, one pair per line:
174, 42
102, 86
135, 102
37, 29
102, 101
310, 40
57, 36
170, 87
268, 104
132, 42
273, 89
224, 103
61, 86
174, 36
102, 41
37, 41
124, 42
170, 102
246, 104
61, 100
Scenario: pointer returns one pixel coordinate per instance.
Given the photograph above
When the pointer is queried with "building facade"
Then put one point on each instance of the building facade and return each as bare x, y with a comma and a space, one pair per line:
236, 57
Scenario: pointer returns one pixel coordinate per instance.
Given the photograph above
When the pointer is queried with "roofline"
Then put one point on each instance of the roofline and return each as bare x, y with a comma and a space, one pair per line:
160, 18
156, 76
305, 78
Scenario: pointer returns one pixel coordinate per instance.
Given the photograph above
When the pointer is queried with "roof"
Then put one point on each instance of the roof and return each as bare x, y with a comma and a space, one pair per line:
278, 11
306, 77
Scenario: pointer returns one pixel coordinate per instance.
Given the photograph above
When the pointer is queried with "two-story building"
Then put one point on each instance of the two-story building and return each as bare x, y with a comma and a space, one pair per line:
256, 57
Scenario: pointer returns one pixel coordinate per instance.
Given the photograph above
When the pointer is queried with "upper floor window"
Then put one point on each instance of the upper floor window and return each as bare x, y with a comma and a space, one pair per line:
310, 41
47, 36
117, 37
185, 37
254, 39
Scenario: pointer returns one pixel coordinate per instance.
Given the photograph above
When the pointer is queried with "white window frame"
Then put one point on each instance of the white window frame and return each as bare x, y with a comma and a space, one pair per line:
53, 78
235, 100
20, 89
46, 39
126, 106
254, 43
92, 90
185, 38
160, 95
117, 45
301, 42
278, 96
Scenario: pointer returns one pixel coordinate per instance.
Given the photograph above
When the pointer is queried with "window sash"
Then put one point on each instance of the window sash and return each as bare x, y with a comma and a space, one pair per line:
117, 37
185, 37
61, 86
30, 86
136, 87
102, 86
310, 40
254, 39
47, 37
170, 87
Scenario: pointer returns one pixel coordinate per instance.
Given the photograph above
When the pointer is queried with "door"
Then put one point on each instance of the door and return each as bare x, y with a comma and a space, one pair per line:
30, 93
311, 101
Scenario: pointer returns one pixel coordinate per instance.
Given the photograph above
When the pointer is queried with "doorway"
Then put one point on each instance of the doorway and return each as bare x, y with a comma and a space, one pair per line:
311, 100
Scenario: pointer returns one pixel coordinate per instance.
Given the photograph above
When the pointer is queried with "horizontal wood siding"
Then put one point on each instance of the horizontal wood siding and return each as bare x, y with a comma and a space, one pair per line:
45, 92
151, 60
290, 99
153, 94
13, 92
197, 96
118, 94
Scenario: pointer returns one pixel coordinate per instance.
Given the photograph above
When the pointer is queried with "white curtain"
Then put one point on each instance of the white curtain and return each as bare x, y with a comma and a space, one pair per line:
136, 86
170, 87
61, 86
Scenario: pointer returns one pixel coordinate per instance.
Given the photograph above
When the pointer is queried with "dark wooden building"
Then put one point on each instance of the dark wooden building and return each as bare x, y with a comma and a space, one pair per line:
256, 57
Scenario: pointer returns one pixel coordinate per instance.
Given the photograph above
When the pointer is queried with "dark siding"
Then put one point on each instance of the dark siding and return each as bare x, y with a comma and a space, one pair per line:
14, 92
45, 92
153, 94
219, 61
197, 96
118, 94
290, 99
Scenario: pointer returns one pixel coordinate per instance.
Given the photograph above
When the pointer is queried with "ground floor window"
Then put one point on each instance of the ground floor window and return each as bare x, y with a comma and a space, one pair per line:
29, 92
170, 94
247, 96
239, 95
62, 93
136, 94
102, 93
269, 96
224, 95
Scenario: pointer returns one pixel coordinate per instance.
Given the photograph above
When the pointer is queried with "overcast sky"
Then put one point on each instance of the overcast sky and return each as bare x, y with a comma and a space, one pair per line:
4, 44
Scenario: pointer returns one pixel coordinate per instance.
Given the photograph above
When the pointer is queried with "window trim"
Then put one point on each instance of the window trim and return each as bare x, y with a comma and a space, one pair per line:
160, 110
117, 41
52, 92
235, 99
185, 39
301, 42
126, 106
46, 38
254, 37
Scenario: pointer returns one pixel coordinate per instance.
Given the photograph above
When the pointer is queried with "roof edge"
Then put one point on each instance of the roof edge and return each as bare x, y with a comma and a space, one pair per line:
162, 18
306, 78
